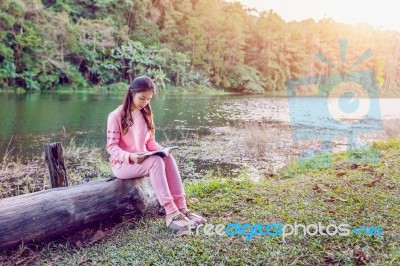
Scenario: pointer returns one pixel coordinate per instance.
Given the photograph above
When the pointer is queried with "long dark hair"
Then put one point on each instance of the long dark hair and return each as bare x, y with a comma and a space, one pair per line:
139, 84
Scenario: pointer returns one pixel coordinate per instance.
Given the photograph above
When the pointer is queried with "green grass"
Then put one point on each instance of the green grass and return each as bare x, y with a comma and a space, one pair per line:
356, 193
201, 90
121, 87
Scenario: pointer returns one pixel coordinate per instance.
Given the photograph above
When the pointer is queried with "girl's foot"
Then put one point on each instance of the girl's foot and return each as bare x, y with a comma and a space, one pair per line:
178, 221
194, 217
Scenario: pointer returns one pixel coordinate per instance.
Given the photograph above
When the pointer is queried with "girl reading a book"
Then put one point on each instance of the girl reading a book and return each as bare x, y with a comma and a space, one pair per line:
130, 133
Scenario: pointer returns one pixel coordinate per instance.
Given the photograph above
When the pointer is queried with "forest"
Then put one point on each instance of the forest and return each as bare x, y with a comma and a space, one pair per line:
81, 44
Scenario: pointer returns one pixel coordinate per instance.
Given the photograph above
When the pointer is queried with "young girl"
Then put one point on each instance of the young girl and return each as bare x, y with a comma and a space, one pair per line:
130, 132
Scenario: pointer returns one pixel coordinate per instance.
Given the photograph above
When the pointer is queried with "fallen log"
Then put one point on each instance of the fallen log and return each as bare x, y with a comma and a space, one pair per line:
48, 214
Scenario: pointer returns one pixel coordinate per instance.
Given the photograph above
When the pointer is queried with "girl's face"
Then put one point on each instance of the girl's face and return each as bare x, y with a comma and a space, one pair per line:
141, 99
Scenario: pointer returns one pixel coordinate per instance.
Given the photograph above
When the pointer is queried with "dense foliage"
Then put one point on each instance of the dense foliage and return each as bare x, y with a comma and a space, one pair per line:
48, 43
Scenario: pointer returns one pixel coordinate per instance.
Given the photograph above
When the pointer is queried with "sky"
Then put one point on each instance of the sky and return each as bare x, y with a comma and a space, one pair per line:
384, 13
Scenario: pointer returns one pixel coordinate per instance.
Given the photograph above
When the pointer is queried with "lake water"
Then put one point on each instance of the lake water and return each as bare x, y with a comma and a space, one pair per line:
29, 121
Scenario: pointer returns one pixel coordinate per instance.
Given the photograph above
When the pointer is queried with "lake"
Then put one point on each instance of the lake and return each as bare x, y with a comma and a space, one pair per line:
29, 121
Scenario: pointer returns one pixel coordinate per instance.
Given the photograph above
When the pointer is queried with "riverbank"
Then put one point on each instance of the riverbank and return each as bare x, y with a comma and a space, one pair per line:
262, 147
357, 194
120, 88
83, 163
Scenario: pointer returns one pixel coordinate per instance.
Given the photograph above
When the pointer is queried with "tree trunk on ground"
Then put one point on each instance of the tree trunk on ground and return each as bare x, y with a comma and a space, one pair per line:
52, 213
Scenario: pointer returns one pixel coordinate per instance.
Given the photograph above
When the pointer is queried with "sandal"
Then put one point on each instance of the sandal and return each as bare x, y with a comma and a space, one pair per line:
195, 218
179, 222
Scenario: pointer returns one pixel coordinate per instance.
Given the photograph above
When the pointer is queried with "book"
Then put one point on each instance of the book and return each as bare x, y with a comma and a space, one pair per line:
164, 152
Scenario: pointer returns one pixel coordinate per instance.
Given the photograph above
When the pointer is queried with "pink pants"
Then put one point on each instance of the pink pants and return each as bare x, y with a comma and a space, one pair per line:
164, 176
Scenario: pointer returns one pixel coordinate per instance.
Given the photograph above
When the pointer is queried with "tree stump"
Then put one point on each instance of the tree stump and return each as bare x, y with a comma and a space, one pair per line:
55, 162
48, 214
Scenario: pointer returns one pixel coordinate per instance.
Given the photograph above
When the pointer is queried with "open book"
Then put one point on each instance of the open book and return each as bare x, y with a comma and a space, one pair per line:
164, 152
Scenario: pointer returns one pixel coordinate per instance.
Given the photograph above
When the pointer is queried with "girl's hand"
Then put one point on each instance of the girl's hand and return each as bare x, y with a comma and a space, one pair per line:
137, 157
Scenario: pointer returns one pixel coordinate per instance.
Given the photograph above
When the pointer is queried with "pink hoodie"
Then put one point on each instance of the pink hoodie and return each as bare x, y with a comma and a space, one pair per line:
137, 139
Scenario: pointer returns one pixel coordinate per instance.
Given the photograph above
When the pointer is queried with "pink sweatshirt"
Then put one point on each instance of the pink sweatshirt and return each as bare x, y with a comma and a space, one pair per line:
137, 139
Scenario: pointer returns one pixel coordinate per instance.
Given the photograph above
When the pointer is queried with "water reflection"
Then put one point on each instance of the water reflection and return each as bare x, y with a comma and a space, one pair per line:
34, 119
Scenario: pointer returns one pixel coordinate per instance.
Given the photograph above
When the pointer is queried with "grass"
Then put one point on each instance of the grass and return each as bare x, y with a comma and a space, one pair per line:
203, 90
83, 163
355, 193
121, 87
257, 138
262, 137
